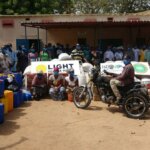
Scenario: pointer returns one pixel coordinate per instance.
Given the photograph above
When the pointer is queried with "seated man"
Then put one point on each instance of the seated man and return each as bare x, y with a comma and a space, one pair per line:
125, 78
57, 90
71, 81
39, 86
11, 83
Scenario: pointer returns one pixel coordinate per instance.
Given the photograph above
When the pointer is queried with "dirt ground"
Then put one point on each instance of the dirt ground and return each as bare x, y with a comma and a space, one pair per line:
55, 125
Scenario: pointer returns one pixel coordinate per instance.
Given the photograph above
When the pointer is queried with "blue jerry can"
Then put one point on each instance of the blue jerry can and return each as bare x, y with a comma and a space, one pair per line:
1, 113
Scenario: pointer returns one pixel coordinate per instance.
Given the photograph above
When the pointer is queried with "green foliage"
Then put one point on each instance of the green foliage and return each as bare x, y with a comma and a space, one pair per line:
10, 7
112, 6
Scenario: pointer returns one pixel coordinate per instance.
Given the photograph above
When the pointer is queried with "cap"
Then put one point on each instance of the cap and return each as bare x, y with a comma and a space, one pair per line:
56, 69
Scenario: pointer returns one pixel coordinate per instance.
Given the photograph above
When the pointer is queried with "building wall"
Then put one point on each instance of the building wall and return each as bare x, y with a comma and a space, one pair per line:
128, 35
70, 35
9, 34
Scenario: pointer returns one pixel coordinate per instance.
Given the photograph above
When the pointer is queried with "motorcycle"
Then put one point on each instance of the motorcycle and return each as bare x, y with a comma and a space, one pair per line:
135, 99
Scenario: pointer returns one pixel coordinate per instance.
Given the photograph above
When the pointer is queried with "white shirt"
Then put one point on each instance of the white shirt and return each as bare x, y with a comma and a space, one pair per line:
136, 54
71, 83
108, 55
118, 55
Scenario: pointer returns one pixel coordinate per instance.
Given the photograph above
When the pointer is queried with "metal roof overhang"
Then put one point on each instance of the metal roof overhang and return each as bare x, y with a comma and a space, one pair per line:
47, 25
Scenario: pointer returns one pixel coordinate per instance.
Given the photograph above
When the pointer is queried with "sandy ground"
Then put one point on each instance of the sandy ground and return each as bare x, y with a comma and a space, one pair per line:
51, 125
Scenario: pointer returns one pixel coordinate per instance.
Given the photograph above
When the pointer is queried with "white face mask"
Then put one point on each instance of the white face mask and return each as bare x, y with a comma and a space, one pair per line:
10, 79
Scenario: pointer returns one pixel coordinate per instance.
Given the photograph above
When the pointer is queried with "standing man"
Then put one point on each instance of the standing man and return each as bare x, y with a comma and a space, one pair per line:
108, 55
119, 53
147, 55
77, 53
32, 56
3, 65
44, 55
136, 53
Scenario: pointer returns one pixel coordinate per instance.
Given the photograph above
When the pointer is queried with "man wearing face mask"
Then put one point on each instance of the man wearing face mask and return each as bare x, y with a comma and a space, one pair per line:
57, 90
125, 78
39, 85
71, 81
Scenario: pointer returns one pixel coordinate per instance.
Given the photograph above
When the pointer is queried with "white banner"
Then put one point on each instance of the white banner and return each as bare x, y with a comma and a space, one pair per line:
140, 68
112, 67
48, 66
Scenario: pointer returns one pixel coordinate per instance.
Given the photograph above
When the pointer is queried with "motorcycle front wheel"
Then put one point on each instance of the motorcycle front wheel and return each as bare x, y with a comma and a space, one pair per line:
135, 106
81, 97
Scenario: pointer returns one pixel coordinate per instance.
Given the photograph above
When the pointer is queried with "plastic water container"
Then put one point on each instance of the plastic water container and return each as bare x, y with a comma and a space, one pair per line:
26, 95
3, 77
1, 113
18, 78
21, 97
10, 98
2, 88
5, 102
70, 96
18, 99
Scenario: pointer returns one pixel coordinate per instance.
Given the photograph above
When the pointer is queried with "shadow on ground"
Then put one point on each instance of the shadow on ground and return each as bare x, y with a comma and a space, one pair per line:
22, 139
120, 110
115, 110
94, 108
10, 126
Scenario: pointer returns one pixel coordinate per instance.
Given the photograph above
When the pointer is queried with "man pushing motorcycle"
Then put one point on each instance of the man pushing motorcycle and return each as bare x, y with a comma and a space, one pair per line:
124, 79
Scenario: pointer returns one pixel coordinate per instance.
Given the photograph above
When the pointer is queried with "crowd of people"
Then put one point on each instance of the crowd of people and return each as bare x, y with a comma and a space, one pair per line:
18, 60
141, 54
58, 85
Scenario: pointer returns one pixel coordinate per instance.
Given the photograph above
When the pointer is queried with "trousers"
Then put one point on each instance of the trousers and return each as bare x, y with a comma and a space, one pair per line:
114, 83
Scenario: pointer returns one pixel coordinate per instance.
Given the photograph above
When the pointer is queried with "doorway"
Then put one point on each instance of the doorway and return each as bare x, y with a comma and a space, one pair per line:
104, 43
